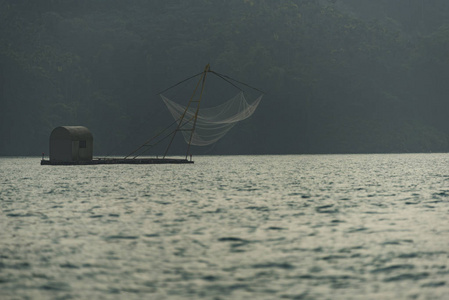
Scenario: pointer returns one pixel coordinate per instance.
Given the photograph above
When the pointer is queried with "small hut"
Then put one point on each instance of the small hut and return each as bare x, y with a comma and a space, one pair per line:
71, 144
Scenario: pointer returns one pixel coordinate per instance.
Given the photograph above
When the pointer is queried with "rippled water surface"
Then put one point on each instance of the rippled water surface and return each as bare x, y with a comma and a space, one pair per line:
227, 227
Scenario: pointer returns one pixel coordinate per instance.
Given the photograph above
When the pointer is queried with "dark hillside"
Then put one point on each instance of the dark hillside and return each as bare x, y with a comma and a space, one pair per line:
356, 77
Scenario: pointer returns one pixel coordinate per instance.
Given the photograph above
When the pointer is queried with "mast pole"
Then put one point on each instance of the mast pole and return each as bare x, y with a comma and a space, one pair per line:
180, 123
206, 69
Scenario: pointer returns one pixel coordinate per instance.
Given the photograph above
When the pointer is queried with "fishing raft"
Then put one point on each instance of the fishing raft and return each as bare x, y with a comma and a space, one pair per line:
73, 145
118, 161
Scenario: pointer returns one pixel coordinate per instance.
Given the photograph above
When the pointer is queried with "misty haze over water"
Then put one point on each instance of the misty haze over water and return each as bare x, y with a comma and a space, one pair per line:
344, 76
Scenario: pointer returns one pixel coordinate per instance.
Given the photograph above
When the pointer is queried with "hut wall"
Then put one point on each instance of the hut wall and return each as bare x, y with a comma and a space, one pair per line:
61, 150
82, 150
71, 143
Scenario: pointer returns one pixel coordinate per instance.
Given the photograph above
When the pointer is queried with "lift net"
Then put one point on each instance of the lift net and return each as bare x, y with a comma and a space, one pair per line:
212, 123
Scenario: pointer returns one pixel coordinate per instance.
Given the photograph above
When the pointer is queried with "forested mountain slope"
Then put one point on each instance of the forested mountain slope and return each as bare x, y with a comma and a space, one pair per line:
337, 78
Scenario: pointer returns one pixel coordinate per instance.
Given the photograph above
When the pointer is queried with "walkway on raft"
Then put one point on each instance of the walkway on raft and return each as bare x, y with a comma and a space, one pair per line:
110, 161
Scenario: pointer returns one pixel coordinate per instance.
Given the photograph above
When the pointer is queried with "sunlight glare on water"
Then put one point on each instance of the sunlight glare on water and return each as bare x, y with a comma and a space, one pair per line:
227, 227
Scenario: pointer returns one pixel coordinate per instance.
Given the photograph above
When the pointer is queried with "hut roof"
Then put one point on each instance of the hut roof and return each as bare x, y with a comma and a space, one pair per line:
74, 133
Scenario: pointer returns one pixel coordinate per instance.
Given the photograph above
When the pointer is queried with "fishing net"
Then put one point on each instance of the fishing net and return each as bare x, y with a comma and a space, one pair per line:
212, 123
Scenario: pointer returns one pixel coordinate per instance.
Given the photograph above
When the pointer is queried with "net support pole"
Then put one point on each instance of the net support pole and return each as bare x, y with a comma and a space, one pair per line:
181, 119
206, 69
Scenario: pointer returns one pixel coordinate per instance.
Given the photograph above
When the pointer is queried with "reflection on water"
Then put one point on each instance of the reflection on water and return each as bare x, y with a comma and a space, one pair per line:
227, 227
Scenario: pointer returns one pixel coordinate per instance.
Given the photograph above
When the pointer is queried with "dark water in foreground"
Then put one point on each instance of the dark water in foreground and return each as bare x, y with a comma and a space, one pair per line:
229, 227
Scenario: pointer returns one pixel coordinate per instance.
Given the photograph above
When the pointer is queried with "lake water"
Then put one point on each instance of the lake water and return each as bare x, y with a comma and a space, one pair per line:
227, 227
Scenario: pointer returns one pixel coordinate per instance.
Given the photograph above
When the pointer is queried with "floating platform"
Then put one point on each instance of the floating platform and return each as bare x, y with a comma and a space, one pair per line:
118, 161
